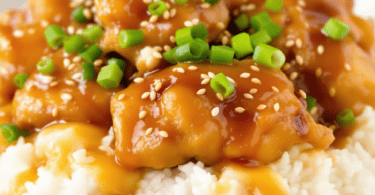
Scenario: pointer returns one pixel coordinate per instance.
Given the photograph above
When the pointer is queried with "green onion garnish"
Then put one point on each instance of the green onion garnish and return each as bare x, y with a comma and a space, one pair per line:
54, 35
346, 117
11, 132
336, 29
221, 54
79, 16
120, 63
110, 76
260, 37
180, 1
91, 53
88, 70
242, 45
220, 84
20, 79
311, 102
93, 33
242, 22
45, 66
211, 1
273, 29
157, 8
74, 44
127, 38
260, 21
170, 56
193, 51
269, 56
188, 34
274, 5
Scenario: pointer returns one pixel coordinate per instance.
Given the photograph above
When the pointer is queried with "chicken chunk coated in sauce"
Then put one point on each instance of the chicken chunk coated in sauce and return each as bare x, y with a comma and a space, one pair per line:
174, 115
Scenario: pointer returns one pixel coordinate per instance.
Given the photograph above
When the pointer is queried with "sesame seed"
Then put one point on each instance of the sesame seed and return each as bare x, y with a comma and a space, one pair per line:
149, 131
231, 80
320, 49
163, 134
157, 81
66, 97
201, 91
54, 112
166, 15
287, 66
205, 5
256, 81
66, 62
69, 82
157, 55
98, 62
299, 59
333, 127
261, 107
276, 107
71, 67
248, 96
79, 31
158, 48
299, 43
44, 23
167, 47
255, 68
87, 13
145, 95
249, 7
318, 72
245, 75
147, 1
142, 114
77, 76
153, 19
158, 86
139, 80
220, 25
204, 76
53, 84
332, 92
289, 43
219, 96
253, 91
188, 23
227, 33
302, 93
18, 33
173, 12
144, 23
192, 68
121, 97
77, 59
152, 95
172, 39
31, 31
180, 70
314, 110
347, 67
293, 76
211, 75
195, 21
301, 3
225, 40
205, 81
275, 89
215, 111
239, 109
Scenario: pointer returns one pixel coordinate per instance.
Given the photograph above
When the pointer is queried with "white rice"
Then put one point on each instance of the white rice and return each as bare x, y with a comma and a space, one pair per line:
305, 171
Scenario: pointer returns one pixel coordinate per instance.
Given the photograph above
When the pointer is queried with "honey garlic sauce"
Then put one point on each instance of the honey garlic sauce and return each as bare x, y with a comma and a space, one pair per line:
62, 95
130, 14
173, 124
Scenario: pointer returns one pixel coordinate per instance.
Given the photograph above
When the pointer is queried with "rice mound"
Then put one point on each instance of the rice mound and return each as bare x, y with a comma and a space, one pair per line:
305, 171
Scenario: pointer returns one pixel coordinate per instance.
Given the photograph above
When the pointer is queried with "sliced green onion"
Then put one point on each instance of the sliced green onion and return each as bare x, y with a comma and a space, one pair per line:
20, 79
220, 84
242, 22
260, 37
157, 8
193, 51
181, 1
93, 33
221, 54
311, 102
274, 5
74, 44
88, 70
242, 45
211, 1
273, 29
346, 117
91, 53
79, 15
170, 56
127, 38
260, 21
11, 132
54, 35
120, 63
269, 56
110, 76
45, 66
336, 29
188, 34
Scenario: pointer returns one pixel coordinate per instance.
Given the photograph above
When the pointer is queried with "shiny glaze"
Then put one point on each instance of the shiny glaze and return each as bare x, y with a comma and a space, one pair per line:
186, 117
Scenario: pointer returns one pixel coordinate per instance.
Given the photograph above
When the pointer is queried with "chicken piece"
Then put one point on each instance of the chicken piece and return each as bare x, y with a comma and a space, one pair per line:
62, 95
22, 41
180, 124
127, 14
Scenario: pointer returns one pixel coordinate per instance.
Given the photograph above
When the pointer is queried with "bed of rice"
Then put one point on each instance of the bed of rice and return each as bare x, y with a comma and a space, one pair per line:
305, 171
